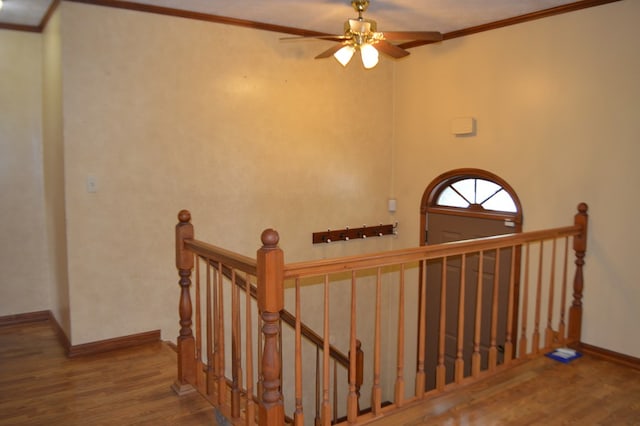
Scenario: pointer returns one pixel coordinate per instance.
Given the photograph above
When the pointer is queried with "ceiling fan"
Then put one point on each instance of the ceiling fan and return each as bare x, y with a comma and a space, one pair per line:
362, 35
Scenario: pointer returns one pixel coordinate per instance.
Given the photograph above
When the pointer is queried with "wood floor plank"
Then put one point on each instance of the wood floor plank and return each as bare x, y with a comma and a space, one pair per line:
39, 385
587, 391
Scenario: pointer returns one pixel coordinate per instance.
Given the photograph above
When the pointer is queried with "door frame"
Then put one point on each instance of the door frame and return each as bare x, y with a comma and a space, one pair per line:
428, 204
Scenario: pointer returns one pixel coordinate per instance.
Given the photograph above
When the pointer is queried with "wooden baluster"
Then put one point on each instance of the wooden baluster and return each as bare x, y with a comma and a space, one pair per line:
508, 344
196, 260
563, 300
260, 388
335, 392
185, 344
535, 339
399, 390
298, 416
476, 358
580, 248
211, 357
318, 417
280, 353
213, 381
459, 364
326, 405
548, 332
198, 321
376, 391
359, 370
220, 374
522, 348
352, 399
250, 406
270, 271
441, 368
422, 326
236, 354
493, 349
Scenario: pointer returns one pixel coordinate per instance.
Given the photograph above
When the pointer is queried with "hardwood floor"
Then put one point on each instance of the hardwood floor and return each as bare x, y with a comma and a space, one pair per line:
39, 385
587, 391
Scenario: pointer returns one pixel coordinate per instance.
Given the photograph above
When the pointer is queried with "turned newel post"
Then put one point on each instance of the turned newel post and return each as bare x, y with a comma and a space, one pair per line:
270, 270
580, 248
186, 342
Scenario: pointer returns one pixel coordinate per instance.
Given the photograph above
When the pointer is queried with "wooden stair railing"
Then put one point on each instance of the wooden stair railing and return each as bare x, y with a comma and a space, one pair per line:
533, 322
222, 265
307, 333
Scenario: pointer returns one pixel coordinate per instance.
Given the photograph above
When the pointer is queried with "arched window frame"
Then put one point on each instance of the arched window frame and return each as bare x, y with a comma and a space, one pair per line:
430, 197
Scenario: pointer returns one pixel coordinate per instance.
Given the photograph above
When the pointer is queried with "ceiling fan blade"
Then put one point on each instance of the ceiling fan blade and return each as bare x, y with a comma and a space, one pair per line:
324, 37
413, 35
333, 49
390, 49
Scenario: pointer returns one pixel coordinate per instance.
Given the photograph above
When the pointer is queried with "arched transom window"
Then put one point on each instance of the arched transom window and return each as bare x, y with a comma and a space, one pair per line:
476, 192
470, 193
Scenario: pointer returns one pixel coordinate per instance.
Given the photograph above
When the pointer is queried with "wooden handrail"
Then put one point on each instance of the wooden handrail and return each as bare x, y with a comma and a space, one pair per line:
394, 257
226, 257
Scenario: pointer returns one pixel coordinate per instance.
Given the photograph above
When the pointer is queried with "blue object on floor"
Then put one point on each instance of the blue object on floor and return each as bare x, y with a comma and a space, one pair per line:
563, 357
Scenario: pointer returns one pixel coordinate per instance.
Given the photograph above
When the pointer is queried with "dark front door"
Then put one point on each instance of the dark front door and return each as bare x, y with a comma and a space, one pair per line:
444, 228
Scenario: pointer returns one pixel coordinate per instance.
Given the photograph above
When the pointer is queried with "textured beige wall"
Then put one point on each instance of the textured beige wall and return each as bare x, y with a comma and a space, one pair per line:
248, 133
23, 258
242, 129
556, 102
53, 169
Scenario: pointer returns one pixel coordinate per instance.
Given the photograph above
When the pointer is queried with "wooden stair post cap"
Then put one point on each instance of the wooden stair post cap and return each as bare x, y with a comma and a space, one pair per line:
184, 216
270, 238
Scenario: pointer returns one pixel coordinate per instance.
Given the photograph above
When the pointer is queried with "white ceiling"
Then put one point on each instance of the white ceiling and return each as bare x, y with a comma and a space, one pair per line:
325, 16
24, 12
328, 16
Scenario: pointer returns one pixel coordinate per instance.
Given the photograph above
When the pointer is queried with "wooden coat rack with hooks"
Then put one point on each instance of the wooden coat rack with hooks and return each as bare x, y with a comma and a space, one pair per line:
347, 234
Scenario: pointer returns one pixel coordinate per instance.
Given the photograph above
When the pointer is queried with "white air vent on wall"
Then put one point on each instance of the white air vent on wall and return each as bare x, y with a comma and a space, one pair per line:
463, 126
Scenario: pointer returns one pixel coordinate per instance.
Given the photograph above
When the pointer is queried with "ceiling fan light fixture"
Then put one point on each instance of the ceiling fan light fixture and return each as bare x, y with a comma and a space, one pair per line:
345, 54
369, 56
362, 34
